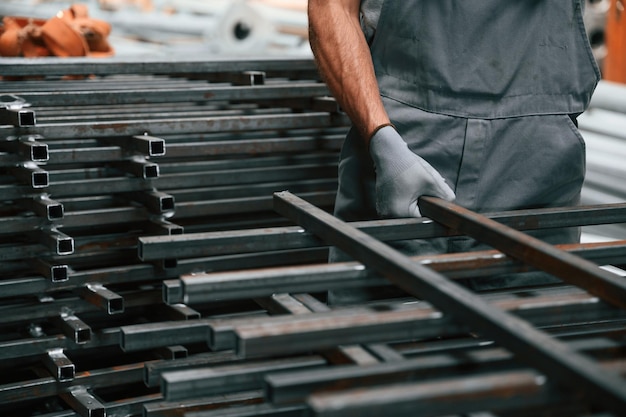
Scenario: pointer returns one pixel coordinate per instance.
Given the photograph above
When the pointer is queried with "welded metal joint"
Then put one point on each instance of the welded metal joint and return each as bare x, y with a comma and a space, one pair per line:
14, 113
59, 365
74, 328
31, 174
28, 147
83, 402
58, 242
42, 205
103, 298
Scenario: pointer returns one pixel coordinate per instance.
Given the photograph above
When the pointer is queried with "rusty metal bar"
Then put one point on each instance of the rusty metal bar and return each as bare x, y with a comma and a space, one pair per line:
542, 351
280, 335
154, 370
240, 284
535, 252
189, 125
213, 404
493, 391
147, 65
229, 378
240, 241
296, 386
205, 92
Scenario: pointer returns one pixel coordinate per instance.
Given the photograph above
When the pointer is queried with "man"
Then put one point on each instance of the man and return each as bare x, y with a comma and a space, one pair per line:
472, 100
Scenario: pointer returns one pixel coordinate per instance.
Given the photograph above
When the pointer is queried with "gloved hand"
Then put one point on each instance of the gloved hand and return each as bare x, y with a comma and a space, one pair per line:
402, 176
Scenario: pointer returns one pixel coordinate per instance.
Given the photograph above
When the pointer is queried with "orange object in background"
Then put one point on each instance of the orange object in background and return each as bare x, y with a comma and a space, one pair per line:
70, 33
614, 68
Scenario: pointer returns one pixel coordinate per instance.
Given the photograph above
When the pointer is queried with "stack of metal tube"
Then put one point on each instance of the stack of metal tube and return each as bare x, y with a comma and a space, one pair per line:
164, 235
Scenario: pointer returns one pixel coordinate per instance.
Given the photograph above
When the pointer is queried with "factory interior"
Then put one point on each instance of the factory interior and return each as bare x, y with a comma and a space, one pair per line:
167, 180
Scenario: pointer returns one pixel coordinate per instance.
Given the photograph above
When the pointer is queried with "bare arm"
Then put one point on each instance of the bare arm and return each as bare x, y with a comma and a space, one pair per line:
344, 61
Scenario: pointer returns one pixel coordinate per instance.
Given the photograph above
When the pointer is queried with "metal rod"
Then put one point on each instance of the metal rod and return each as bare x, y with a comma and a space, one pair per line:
124, 65
494, 391
252, 240
161, 95
296, 386
229, 378
535, 252
190, 125
282, 334
239, 284
553, 358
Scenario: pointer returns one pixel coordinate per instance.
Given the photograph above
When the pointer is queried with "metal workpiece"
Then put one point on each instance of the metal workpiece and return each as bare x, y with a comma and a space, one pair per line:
258, 146
154, 370
499, 391
26, 148
151, 335
139, 244
149, 66
212, 404
250, 240
84, 403
255, 410
156, 94
43, 206
143, 144
230, 378
74, 328
549, 356
58, 242
535, 252
61, 368
14, 111
103, 298
55, 272
192, 125
197, 288
279, 334
31, 174
139, 167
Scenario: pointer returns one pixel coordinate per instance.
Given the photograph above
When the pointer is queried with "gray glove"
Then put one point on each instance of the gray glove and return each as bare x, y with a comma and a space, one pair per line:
402, 176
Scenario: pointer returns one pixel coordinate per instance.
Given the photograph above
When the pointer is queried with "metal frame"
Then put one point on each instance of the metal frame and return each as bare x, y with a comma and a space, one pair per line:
557, 361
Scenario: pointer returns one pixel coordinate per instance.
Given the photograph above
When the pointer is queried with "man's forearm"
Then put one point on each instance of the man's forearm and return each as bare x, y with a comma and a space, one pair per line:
344, 61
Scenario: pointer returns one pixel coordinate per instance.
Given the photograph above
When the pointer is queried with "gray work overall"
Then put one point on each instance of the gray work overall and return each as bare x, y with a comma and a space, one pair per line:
486, 91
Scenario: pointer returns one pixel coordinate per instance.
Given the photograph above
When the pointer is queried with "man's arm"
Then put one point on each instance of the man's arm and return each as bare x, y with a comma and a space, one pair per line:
344, 60
345, 63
